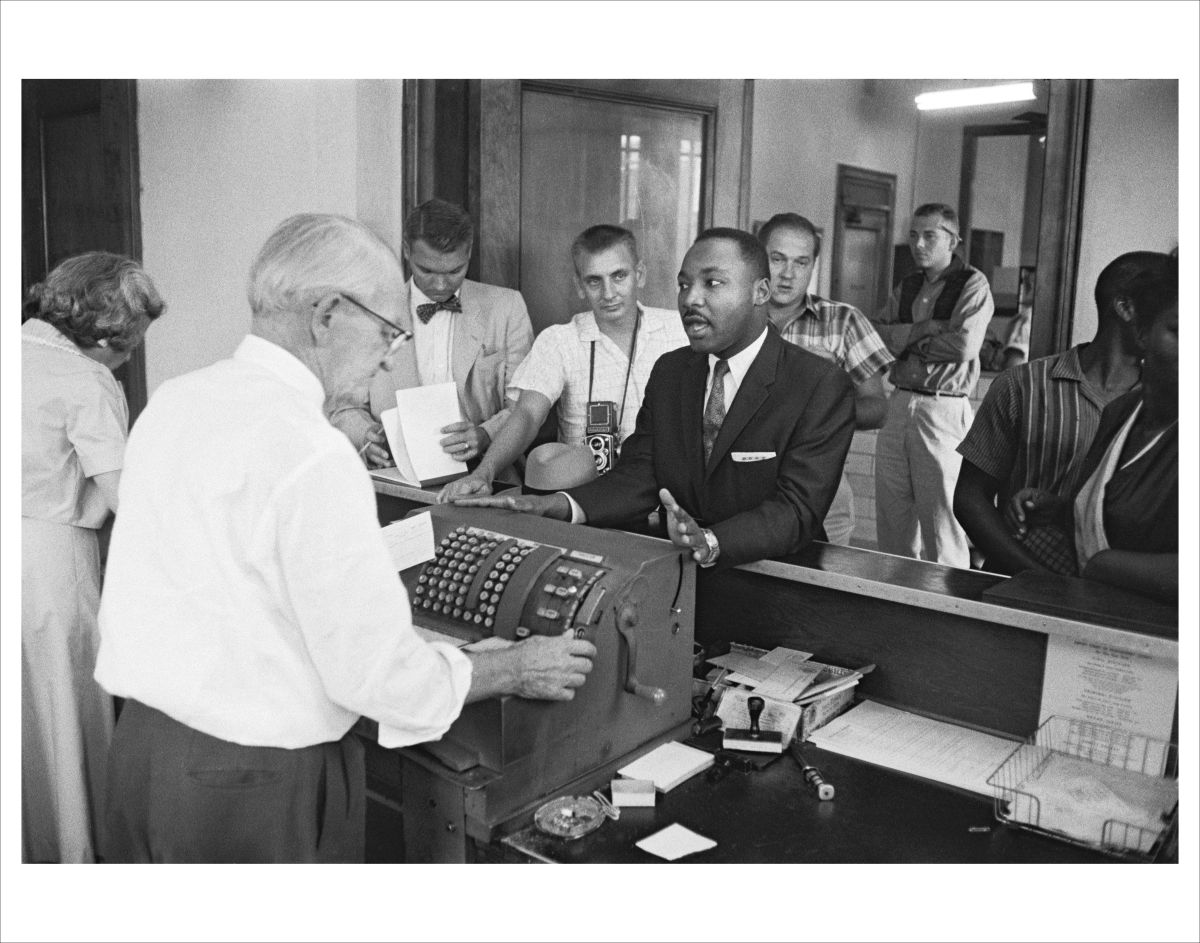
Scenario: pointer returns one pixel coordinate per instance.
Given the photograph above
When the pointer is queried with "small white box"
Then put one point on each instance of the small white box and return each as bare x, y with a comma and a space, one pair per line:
632, 792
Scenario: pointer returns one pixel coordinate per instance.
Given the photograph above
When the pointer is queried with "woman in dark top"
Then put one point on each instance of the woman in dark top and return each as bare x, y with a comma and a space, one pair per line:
1125, 515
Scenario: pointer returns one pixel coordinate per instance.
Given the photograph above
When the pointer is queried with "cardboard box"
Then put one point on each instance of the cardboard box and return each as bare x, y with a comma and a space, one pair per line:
821, 711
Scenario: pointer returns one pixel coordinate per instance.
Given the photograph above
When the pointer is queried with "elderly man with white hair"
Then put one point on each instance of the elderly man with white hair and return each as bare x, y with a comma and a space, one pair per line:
251, 612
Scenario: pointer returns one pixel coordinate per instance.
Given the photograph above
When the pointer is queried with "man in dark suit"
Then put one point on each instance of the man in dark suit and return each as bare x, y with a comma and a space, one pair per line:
741, 436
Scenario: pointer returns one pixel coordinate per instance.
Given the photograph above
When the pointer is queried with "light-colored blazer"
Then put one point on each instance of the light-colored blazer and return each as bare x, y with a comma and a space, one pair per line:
492, 335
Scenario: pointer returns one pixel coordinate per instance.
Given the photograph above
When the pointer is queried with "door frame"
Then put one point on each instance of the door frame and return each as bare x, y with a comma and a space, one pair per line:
883, 279
116, 100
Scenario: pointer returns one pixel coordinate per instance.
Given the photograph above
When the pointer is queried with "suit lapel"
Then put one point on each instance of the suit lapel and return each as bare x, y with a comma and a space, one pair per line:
691, 409
753, 392
468, 335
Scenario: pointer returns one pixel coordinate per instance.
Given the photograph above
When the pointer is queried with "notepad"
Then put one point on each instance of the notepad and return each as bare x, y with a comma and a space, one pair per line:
668, 765
414, 431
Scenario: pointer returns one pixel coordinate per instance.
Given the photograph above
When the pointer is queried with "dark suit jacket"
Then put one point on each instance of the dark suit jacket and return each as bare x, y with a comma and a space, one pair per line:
791, 403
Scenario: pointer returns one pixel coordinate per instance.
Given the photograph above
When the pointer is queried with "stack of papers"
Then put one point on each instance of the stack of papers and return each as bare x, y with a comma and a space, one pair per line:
934, 749
787, 679
668, 765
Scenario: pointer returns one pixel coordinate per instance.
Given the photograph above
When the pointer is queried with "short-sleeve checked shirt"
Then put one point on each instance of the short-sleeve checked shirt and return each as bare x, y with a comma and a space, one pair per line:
558, 367
837, 332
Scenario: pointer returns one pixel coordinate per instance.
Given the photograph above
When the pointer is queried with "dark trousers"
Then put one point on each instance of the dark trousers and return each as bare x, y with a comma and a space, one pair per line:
178, 795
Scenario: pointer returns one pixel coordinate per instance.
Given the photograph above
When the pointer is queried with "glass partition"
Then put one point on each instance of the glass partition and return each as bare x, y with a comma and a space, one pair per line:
588, 160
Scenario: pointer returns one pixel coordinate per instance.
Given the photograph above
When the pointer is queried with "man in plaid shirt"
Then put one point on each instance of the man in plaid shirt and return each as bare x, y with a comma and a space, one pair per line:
835, 331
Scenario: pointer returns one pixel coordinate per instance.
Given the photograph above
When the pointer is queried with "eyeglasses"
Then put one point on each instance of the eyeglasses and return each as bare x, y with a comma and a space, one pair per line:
399, 336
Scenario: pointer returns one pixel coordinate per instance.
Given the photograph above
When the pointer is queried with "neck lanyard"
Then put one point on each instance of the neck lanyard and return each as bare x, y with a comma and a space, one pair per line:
629, 369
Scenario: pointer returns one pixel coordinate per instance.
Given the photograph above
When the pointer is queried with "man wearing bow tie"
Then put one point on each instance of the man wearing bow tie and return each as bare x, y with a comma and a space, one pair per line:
463, 331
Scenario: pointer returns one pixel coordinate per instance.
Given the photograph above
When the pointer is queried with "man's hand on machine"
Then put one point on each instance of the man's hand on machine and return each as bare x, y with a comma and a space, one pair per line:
472, 485
552, 667
544, 667
549, 505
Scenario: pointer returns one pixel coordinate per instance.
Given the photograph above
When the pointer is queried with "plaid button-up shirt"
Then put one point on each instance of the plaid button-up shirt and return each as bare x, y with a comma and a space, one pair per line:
838, 332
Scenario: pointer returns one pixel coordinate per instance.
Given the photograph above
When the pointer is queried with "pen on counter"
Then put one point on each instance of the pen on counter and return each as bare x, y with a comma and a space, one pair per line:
812, 776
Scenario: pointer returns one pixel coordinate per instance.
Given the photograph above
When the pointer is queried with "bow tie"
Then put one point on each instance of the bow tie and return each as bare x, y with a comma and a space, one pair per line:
426, 311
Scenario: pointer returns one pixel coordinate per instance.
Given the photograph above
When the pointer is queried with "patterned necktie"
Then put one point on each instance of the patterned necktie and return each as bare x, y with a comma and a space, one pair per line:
426, 311
714, 411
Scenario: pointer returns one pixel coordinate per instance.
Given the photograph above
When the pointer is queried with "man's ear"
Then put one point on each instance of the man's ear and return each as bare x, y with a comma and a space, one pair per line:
762, 291
1123, 308
321, 320
404, 250
641, 274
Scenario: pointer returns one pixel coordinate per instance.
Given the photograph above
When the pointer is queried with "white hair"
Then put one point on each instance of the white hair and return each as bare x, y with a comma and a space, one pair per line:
313, 252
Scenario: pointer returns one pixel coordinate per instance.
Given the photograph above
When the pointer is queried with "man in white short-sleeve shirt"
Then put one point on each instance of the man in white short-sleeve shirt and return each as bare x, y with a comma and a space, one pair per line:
251, 612
603, 355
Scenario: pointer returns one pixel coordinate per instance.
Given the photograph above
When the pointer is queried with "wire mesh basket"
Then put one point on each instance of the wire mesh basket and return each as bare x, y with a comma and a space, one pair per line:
1092, 785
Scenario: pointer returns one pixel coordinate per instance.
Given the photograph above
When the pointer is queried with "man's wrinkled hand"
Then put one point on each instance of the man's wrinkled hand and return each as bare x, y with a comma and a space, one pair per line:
551, 668
464, 440
468, 486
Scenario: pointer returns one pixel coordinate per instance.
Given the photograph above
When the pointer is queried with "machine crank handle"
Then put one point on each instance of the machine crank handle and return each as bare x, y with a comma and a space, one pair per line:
627, 618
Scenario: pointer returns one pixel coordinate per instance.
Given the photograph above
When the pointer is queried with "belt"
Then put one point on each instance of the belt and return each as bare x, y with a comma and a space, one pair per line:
909, 389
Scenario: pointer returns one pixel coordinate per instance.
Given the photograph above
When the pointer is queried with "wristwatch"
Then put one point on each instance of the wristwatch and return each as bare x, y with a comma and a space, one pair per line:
714, 548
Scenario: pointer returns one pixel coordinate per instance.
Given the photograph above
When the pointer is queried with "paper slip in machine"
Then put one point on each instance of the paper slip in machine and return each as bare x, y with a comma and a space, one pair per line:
498, 573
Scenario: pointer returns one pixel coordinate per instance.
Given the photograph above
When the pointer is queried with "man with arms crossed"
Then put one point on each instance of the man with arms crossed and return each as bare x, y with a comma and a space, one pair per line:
603, 355
934, 324
251, 612
830, 329
741, 436
463, 331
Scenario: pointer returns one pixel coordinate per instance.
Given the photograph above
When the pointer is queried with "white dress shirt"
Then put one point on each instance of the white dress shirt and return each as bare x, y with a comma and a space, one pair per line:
739, 365
434, 341
249, 593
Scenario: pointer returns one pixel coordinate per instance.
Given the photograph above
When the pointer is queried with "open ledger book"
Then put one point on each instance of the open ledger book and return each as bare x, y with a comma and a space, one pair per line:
414, 429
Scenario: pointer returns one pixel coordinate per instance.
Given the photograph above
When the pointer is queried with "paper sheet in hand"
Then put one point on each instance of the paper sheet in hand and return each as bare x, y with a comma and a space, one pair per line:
410, 540
674, 842
913, 744
414, 430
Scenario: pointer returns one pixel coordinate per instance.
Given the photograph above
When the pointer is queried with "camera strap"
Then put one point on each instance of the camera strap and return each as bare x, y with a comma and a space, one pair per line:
628, 370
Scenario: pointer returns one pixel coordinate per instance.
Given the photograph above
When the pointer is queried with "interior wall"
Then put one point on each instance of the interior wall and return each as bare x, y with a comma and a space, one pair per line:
1130, 184
1000, 170
804, 128
222, 163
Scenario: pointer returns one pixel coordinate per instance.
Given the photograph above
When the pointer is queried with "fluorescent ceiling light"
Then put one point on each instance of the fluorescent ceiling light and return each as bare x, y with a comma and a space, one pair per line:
980, 95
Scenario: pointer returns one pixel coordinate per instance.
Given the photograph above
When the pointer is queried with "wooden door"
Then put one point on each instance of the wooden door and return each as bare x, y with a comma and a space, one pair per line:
862, 241
79, 184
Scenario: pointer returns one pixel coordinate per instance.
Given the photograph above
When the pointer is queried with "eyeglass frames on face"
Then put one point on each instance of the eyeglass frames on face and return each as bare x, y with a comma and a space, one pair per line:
399, 335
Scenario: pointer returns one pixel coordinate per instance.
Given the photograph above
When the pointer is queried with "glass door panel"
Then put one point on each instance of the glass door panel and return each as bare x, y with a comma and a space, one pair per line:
589, 160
